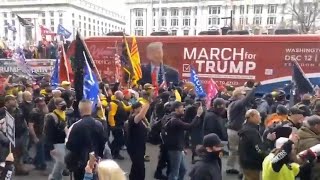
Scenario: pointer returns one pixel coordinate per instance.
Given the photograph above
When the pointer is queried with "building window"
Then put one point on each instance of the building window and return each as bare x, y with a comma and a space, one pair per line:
51, 13
85, 33
52, 29
84, 18
271, 20
60, 14
85, 25
13, 15
72, 15
214, 9
163, 22
195, 22
52, 22
173, 32
89, 26
79, 17
163, 12
5, 15
5, 22
195, 11
138, 32
43, 22
154, 22
186, 22
139, 22
60, 21
174, 12
174, 22
72, 22
234, 9
79, 24
214, 21
89, 19
186, 32
258, 9
139, 12
241, 9
13, 23
186, 11
154, 11
248, 9
43, 14
257, 20
98, 22
272, 9
241, 21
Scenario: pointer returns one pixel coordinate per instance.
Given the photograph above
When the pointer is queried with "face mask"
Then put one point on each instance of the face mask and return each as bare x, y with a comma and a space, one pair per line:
29, 102
64, 107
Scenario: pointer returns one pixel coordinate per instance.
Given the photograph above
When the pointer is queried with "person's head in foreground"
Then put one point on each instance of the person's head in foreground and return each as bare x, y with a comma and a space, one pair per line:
211, 145
253, 116
108, 170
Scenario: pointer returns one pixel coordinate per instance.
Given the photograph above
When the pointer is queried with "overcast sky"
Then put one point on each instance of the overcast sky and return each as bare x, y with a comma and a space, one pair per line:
117, 6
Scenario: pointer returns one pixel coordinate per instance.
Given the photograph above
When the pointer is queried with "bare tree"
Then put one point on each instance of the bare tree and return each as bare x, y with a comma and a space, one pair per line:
305, 13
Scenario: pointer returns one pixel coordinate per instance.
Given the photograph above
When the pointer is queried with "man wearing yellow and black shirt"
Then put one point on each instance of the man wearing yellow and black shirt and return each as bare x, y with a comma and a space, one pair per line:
117, 115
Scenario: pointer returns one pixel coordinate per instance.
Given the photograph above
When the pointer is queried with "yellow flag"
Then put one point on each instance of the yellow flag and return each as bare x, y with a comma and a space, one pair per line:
177, 95
135, 60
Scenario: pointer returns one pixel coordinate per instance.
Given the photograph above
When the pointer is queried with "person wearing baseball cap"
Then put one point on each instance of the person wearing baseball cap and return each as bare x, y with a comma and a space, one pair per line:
209, 166
295, 118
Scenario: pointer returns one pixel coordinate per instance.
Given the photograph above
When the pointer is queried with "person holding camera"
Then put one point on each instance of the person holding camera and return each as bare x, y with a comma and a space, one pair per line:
136, 140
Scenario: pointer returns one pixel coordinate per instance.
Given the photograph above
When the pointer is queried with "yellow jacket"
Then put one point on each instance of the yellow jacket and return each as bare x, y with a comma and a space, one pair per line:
113, 111
101, 110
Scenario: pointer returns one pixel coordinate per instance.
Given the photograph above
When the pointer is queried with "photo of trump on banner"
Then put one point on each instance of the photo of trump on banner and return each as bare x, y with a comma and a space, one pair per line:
156, 70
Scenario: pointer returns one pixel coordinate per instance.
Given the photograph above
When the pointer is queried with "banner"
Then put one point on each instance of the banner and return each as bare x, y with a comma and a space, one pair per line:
229, 61
40, 66
10, 128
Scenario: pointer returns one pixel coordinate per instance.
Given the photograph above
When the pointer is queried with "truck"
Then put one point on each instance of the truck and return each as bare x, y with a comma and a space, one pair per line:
228, 60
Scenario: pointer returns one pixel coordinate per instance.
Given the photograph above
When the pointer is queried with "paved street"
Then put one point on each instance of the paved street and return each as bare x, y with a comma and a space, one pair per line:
126, 164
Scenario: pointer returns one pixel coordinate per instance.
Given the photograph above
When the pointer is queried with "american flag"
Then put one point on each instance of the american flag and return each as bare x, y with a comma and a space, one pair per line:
20, 59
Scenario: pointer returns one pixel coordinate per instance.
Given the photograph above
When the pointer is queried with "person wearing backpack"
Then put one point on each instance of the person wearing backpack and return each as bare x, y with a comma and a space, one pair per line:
55, 130
174, 139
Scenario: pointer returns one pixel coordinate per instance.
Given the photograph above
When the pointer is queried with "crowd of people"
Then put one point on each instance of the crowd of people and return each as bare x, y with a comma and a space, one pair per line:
47, 50
266, 137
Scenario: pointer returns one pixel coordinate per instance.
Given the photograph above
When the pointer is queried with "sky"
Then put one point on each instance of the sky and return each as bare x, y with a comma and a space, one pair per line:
116, 6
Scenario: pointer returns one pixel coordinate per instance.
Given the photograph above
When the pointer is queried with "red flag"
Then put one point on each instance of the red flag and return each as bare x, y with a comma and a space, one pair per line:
65, 70
212, 91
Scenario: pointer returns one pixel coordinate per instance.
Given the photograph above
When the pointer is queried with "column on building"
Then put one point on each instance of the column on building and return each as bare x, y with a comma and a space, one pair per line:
264, 15
148, 19
193, 19
180, 22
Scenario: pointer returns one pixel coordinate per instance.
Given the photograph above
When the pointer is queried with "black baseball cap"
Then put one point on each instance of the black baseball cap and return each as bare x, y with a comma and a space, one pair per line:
211, 140
136, 105
295, 110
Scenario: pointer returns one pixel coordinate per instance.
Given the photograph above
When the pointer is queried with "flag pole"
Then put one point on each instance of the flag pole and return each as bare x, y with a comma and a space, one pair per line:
91, 59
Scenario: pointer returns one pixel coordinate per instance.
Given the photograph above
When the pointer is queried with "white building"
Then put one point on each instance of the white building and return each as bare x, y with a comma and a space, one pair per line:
87, 16
189, 17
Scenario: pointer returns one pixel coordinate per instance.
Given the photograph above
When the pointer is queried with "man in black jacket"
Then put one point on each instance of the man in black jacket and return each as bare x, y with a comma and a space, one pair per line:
209, 167
252, 150
240, 103
85, 136
174, 140
214, 120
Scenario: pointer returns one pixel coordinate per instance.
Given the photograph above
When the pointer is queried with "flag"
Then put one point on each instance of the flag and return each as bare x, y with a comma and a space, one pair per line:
126, 58
63, 31
90, 84
301, 82
23, 21
212, 90
20, 59
11, 27
46, 31
65, 73
135, 60
196, 81
79, 65
55, 74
